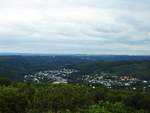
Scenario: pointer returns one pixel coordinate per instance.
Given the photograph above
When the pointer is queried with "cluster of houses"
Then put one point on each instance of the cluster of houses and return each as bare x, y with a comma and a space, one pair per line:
53, 76
107, 79
110, 81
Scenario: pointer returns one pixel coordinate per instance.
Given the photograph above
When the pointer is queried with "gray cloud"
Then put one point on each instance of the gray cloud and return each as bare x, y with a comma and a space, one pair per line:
75, 26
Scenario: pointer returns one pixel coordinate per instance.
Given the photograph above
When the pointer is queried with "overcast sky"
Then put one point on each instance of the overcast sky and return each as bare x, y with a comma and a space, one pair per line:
75, 26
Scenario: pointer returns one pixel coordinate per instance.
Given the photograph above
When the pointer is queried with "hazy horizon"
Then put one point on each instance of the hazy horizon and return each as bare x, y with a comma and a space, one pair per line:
74, 54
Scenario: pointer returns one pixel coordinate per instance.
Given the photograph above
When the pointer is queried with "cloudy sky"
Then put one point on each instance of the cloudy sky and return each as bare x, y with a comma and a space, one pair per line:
75, 26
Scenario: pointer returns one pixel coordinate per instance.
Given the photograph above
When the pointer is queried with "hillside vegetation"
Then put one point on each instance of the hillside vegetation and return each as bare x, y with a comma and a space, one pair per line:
138, 69
61, 98
15, 67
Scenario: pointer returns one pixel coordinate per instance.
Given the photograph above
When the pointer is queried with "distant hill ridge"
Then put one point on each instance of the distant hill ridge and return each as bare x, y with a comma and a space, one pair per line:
16, 66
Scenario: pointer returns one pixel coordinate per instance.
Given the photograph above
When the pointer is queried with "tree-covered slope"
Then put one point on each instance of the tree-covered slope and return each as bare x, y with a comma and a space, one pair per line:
15, 67
139, 69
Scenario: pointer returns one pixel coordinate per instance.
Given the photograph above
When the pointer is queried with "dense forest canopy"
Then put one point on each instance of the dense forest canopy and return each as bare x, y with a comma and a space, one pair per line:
69, 98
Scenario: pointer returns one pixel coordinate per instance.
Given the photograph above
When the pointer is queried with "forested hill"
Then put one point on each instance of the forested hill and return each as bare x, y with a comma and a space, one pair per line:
138, 69
16, 66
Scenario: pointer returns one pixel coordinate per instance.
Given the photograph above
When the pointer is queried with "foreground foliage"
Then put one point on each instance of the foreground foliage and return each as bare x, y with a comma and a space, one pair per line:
61, 98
